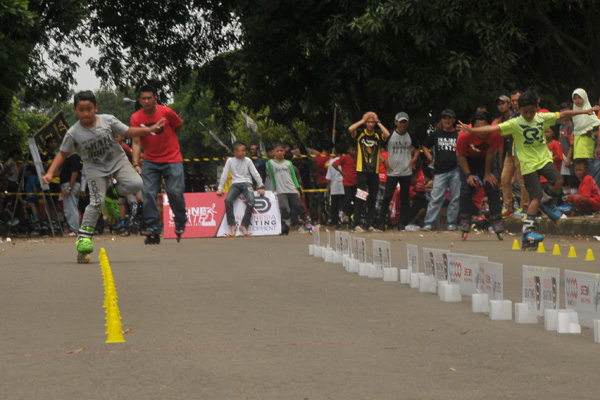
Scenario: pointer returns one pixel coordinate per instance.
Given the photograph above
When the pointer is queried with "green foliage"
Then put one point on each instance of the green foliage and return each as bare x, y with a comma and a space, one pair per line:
20, 124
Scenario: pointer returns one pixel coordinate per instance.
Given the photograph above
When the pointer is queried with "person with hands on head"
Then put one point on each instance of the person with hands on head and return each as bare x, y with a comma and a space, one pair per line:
368, 139
93, 136
535, 158
242, 171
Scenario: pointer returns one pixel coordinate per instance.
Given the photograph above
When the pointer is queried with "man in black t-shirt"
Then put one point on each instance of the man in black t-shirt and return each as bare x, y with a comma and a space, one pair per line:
443, 145
369, 141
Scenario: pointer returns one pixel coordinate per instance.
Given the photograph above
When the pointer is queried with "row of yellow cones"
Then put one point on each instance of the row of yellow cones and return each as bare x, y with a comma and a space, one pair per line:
114, 329
589, 256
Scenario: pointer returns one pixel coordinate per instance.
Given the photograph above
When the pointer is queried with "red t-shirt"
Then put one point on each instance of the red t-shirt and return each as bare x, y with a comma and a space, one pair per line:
162, 146
473, 146
348, 165
557, 152
321, 164
382, 171
588, 188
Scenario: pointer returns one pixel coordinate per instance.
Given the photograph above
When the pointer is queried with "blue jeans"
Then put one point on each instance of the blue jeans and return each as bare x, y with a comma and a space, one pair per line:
441, 182
234, 192
153, 173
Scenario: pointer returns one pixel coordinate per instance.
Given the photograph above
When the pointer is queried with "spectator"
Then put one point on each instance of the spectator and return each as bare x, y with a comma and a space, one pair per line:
588, 199
286, 185
475, 154
446, 176
162, 160
402, 155
335, 189
259, 162
511, 169
368, 141
70, 184
346, 166
242, 172
565, 139
321, 165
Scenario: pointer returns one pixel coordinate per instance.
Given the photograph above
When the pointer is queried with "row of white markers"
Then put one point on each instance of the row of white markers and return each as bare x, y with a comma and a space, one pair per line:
561, 321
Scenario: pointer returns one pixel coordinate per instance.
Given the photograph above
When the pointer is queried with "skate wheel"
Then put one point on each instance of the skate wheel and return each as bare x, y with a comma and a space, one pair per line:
83, 258
500, 236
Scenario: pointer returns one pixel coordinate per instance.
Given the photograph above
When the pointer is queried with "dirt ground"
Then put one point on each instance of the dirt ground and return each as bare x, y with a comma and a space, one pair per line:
258, 318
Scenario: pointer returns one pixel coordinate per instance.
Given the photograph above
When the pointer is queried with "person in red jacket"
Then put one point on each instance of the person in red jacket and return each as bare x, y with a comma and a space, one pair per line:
346, 166
588, 199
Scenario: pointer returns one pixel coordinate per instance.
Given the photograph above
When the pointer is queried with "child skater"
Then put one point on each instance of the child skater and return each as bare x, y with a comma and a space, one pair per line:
287, 188
527, 131
242, 171
588, 199
103, 158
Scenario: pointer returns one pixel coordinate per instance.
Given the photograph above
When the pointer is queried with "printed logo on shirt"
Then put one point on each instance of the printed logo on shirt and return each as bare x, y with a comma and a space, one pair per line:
97, 149
161, 130
369, 148
532, 135
448, 144
480, 148
400, 148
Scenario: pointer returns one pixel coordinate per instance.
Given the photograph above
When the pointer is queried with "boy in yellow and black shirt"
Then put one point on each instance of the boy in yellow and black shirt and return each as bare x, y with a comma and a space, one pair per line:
369, 141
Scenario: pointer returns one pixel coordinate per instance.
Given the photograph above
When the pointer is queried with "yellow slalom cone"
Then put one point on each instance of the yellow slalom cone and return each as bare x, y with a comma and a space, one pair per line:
572, 253
541, 248
516, 245
589, 256
556, 251
115, 333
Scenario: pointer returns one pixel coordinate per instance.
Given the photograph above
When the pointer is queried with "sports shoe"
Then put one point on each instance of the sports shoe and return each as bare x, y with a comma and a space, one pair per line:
506, 213
84, 245
451, 227
359, 229
427, 228
550, 208
179, 229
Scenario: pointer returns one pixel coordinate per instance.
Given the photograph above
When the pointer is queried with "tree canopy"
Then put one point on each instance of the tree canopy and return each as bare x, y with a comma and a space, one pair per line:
299, 60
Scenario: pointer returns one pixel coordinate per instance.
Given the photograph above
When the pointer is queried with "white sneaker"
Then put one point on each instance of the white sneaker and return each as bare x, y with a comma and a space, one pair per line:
5, 241
427, 228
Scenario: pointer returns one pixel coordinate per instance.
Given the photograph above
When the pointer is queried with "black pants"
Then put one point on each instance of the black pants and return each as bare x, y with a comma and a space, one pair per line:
366, 181
349, 193
336, 201
390, 188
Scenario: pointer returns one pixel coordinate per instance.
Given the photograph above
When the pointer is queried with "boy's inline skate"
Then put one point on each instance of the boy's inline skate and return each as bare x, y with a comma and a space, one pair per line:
464, 226
530, 239
152, 235
179, 230
84, 244
548, 206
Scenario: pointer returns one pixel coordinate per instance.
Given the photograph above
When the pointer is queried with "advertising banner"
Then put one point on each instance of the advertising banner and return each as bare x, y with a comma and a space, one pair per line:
463, 270
412, 258
490, 280
582, 294
541, 288
206, 216
381, 254
436, 263
359, 247
339, 245
346, 244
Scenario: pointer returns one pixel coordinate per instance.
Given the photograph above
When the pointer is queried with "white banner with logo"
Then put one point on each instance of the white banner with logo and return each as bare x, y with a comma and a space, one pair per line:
359, 247
582, 294
412, 258
381, 254
436, 263
339, 245
541, 288
490, 280
346, 244
265, 220
463, 270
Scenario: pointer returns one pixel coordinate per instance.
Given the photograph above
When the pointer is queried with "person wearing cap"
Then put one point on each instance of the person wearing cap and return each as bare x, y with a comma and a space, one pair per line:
402, 155
446, 177
511, 168
369, 139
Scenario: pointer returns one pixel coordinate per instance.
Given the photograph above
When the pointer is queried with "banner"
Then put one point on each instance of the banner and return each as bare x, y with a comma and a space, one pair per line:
436, 263
346, 244
206, 215
55, 128
381, 254
490, 280
541, 288
582, 294
412, 256
463, 270
317, 235
359, 246
37, 161
339, 245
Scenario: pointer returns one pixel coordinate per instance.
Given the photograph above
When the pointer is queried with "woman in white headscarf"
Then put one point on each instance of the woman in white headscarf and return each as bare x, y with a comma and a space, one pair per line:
585, 126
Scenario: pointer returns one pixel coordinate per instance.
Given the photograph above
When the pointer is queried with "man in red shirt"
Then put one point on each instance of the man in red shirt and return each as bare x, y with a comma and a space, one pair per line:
162, 160
321, 165
475, 154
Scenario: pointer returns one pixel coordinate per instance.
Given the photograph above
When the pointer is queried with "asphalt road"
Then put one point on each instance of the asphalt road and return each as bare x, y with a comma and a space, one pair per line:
258, 318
